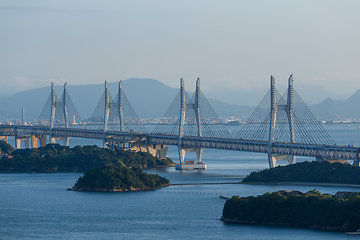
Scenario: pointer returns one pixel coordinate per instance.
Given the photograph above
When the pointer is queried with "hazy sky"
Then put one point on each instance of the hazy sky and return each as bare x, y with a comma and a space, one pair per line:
233, 46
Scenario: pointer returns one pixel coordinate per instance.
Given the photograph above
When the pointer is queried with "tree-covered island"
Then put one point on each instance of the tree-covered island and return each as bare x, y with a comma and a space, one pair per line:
56, 158
310, 210
118, 179
308, 172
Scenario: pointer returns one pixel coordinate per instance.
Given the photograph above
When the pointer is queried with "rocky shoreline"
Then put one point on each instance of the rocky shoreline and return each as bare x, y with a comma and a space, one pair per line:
304, 184
281, 224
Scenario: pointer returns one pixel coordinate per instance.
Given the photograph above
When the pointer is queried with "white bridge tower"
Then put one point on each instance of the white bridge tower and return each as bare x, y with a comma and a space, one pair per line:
288, 108
183, 150
54, 105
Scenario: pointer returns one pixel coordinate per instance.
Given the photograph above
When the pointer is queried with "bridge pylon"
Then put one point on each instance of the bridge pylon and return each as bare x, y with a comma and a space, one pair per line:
284, 119
54, 105
183, 108
108, 105
57, 113
274, 108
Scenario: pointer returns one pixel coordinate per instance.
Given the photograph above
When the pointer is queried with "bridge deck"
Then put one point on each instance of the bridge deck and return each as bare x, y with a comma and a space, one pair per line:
297, 149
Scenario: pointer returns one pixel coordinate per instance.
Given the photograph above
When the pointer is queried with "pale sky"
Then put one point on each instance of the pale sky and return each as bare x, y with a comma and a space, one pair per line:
233, 46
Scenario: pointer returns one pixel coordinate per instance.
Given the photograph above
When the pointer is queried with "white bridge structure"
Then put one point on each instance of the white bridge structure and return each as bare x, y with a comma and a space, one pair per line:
281, 126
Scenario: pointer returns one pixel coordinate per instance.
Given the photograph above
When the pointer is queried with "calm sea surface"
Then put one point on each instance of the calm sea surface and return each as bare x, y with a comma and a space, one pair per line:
37, 206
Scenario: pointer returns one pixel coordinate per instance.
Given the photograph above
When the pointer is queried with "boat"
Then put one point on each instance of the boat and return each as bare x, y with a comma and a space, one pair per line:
353, 233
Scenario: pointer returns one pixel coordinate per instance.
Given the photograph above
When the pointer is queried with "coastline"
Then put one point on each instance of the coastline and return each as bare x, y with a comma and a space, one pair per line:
304, 184
284, 224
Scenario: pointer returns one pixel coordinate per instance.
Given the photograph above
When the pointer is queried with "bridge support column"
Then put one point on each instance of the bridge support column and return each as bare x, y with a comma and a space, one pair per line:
64, 139
159, 151
27, 142
290, 116
106, 113
120, 108
273, 109
34, 141
357, 158
276, 157
189, 165
42, 140
18, 141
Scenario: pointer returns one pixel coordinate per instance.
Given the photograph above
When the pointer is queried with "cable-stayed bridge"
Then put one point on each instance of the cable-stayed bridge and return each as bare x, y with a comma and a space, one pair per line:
281, 126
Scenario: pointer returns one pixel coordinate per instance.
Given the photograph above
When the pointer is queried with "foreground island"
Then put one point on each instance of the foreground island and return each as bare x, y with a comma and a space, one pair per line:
308, 172
309, 210
118, 179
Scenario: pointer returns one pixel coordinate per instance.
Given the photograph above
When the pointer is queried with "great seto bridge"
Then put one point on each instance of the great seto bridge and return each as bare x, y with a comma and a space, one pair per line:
281, 126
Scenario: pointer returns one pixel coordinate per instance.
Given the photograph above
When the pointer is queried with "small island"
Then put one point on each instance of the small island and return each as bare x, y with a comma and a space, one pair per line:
294, 209
308, 172
118, 179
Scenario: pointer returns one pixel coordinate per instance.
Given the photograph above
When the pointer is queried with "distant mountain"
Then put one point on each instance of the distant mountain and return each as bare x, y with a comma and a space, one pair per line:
330, 109
149, 98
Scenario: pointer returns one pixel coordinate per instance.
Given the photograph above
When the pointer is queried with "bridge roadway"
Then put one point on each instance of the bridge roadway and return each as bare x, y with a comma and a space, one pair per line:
298, 149
26, 130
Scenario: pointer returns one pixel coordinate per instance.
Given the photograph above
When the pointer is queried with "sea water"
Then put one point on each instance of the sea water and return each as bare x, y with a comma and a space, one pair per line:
38, 206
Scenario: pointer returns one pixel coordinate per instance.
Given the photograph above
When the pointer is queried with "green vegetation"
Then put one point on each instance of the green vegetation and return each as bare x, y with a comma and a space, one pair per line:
56, 158
317, 172
112, 178
5, 148
310, 210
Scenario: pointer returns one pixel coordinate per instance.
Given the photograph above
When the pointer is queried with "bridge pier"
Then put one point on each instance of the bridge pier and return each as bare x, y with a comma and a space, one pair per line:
27, 140
64, 139
30, 141
273, 158
42, 140
190, 165
34, 141
357, 158
159, 151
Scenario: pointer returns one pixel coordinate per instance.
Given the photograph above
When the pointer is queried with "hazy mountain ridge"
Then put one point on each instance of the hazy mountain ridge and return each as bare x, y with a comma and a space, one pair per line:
151, 98
330, 109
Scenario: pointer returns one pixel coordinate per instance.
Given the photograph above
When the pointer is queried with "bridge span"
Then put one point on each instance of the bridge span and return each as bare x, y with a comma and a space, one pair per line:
157, 144
281, 126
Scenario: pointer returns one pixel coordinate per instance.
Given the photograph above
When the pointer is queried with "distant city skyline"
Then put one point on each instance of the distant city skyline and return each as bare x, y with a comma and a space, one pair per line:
233, 46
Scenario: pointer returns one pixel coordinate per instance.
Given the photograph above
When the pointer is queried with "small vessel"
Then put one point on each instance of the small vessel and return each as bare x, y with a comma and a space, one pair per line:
353, 233
223, 197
